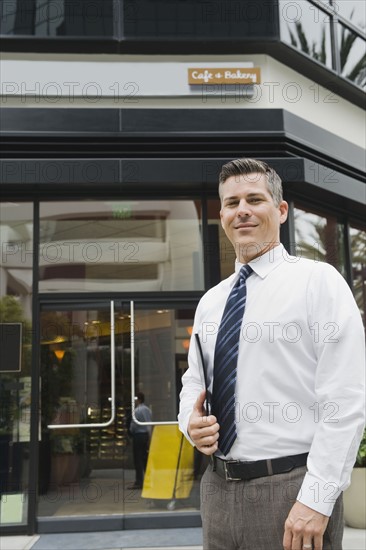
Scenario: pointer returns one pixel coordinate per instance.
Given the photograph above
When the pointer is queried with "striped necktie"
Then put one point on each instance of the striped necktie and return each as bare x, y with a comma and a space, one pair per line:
225, 361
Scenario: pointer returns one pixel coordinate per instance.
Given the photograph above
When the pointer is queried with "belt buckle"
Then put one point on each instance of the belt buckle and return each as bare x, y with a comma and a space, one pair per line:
227, 475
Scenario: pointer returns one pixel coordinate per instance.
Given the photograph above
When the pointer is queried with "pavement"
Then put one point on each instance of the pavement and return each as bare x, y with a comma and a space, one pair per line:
189, 538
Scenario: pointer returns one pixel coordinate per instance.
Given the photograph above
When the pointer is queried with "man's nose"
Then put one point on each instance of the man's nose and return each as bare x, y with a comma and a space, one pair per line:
243, 209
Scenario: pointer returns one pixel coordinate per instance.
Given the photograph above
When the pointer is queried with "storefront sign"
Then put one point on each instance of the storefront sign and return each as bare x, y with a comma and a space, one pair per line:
223, 75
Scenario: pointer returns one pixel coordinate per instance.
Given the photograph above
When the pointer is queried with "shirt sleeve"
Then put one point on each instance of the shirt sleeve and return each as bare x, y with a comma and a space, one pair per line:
339, 413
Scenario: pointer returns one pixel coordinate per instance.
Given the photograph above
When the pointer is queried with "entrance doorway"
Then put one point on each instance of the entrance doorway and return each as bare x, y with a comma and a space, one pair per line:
94, 357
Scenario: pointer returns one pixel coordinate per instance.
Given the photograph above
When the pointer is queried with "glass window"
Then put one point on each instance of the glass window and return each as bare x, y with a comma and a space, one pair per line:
352, 51
57, 17
16, 263
307, 28
358, 247
319, 237
170, 19
352, 10
120, 246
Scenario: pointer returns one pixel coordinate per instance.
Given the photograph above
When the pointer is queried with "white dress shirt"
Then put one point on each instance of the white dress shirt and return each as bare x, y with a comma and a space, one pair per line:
301, 370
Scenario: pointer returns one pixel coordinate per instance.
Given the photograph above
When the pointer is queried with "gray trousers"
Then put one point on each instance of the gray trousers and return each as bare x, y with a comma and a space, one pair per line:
250, 515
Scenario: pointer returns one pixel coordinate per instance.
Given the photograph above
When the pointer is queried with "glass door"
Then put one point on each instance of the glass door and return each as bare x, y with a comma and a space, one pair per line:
87, 462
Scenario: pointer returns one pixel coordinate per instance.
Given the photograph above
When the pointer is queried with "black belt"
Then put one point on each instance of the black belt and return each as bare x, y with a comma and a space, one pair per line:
235, 470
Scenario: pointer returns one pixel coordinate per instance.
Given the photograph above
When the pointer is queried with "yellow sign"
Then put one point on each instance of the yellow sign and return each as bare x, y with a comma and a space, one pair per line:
223, 76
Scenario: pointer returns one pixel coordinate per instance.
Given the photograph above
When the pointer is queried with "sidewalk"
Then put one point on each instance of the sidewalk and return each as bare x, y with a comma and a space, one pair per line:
143, 539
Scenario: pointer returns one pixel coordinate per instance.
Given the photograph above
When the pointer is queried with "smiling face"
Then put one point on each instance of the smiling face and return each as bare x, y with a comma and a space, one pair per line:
249, 215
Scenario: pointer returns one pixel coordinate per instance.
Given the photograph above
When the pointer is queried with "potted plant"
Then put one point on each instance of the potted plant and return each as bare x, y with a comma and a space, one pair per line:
355, 495
65, 463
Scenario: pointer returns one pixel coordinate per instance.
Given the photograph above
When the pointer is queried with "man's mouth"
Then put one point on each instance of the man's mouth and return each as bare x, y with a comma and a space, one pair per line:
245, 225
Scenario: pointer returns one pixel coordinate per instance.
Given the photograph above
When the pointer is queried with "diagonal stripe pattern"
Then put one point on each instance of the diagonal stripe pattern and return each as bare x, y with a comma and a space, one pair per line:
225, 361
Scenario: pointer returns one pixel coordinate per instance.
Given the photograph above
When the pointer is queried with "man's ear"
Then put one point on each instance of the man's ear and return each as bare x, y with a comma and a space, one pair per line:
283, 208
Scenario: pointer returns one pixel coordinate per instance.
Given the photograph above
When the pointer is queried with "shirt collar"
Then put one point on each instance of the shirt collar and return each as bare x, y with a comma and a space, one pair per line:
264, 264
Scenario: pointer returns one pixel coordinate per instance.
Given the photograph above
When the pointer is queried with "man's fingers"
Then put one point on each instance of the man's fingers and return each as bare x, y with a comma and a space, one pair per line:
199, 411
201, 428
208, 449
287, 539
206, 439
318, 542
199, 404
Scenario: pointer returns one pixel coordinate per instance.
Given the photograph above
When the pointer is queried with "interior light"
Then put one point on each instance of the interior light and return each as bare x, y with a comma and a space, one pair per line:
185, 344
59, 353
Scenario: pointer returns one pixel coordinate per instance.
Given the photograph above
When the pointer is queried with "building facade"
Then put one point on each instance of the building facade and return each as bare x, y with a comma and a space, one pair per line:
116, 117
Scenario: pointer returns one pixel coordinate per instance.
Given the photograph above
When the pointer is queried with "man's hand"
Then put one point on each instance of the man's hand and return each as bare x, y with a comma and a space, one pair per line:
304, 528
203, 430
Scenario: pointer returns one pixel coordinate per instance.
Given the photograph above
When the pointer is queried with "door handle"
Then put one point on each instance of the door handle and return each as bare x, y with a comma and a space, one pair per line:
112, 398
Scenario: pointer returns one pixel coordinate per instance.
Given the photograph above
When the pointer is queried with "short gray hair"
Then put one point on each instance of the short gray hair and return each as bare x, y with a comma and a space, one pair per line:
244, 166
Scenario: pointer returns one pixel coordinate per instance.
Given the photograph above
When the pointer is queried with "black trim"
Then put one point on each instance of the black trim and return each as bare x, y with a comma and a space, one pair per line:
8, 530
348, 252
59, 44
164, 520
34, 420
169, 133
177, 177
65, 300
290, 224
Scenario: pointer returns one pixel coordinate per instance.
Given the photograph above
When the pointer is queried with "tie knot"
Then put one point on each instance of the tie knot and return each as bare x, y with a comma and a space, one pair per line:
245, 271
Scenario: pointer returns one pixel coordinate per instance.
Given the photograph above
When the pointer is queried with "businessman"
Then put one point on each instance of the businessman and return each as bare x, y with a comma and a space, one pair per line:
283, 341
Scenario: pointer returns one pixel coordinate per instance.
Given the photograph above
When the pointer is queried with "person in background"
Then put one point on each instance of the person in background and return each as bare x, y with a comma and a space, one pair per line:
283, 341
141, 439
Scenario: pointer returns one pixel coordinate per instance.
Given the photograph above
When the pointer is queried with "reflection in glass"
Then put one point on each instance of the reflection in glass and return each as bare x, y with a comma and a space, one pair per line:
120, 246
358, 247
320, 237
306, 28
352, 10
56, 17
352, 51
16, 233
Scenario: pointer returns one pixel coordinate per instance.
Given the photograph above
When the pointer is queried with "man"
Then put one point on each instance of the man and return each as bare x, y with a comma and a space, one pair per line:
141, 438
297, 403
